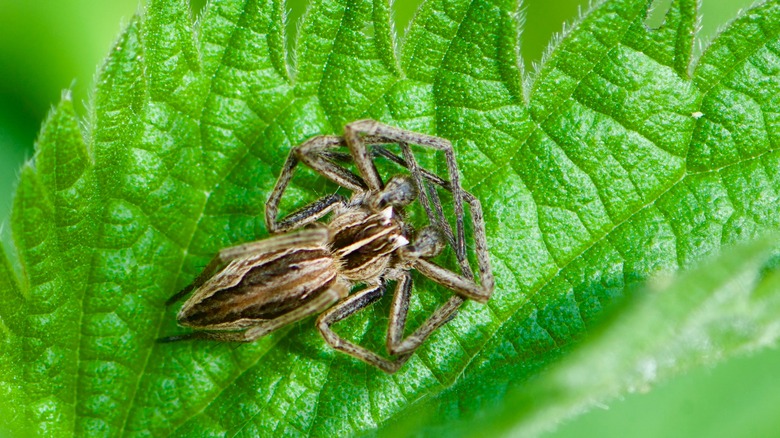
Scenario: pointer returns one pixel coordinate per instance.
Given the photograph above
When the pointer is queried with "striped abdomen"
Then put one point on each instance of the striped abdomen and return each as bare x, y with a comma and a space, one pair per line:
260, 288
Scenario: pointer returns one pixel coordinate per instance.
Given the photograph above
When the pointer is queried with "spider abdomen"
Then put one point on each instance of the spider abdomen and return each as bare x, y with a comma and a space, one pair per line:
243, 293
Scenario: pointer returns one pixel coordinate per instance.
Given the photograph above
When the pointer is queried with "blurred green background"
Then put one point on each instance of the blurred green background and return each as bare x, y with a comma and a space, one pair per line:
47, 46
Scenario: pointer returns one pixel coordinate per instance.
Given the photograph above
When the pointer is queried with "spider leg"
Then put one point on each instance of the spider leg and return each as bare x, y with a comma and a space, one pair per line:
477, 218
345, 308
307, 214
399, 311
432, 206
462, 285
264, 327
480, 243
357, 147
316, 154
460, 244
404, 138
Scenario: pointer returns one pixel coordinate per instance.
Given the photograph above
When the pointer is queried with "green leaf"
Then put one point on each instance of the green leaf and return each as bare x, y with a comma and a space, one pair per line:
607, 166
12, 400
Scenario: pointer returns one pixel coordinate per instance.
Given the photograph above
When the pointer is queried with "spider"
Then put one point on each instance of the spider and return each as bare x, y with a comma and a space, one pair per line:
309, 267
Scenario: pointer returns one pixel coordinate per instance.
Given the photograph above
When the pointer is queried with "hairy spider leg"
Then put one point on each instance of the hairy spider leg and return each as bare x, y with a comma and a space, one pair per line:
399, 310
355, 302
316, 153
310, 153
403, 137
477, 219
402, 348
460, 245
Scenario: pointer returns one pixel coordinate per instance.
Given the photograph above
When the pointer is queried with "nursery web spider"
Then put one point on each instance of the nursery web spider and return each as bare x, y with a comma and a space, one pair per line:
250, 290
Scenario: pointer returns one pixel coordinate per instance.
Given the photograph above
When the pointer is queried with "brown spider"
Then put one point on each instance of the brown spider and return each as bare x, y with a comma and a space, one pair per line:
250, 290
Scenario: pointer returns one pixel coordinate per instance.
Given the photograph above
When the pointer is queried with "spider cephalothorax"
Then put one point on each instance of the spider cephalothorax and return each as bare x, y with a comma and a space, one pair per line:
310, 267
